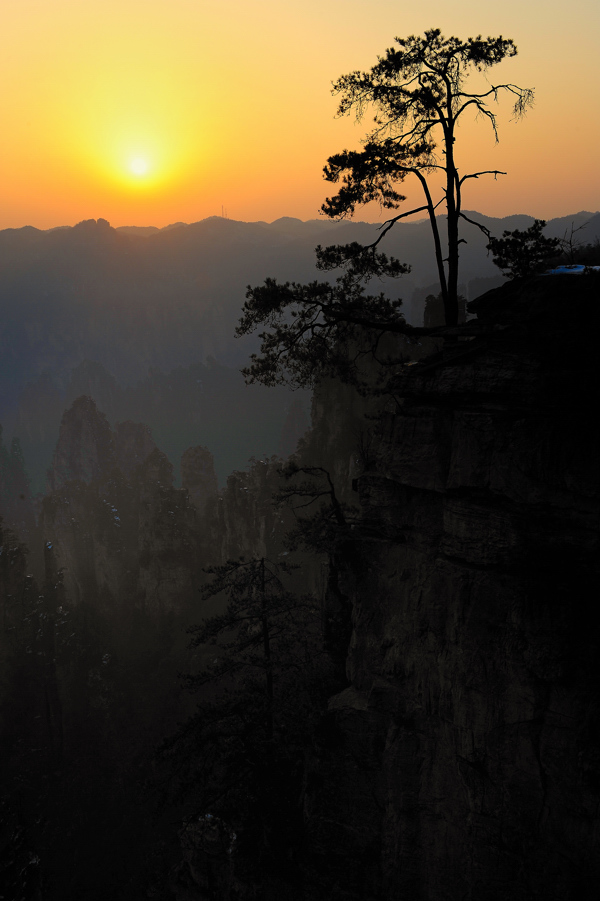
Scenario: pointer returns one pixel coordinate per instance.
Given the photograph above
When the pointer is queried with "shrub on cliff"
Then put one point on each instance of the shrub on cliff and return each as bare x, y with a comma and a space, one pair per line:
524, 253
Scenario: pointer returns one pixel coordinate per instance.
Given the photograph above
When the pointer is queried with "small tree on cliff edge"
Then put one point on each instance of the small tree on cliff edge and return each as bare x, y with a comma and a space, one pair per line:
523, 253
418, 93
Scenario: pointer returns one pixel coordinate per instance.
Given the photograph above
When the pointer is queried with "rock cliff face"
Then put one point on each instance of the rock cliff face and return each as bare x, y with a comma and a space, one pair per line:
198, 475
16, 508
462, 760
127, 539
85, 451
247, 524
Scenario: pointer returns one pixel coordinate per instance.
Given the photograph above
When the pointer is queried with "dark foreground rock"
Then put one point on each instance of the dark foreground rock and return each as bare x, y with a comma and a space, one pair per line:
463, 761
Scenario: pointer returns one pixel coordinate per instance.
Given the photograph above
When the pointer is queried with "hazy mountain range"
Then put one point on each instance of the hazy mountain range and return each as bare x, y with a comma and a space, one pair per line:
154, 310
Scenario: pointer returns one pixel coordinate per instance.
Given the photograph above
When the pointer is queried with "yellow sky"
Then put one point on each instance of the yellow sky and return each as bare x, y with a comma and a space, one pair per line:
148, 112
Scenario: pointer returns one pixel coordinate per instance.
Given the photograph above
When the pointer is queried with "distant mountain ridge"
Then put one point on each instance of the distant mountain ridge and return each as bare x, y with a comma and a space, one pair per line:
556, 227
135, 298
285, 247
152, 307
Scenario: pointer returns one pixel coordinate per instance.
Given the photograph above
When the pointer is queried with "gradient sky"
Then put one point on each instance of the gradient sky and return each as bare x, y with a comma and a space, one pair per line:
226, 104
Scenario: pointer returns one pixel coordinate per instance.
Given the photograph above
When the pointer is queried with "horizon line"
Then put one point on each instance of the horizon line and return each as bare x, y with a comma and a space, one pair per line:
280, 219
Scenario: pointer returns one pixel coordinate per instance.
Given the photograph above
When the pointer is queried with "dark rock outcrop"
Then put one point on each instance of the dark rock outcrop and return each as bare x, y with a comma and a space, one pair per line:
462, 761
247, 523
294, 428
126, 538
133, 445
16, 507
198, 475
85, 451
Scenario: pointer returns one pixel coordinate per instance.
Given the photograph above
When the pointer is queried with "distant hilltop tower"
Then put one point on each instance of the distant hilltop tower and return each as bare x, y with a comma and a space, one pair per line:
224, 213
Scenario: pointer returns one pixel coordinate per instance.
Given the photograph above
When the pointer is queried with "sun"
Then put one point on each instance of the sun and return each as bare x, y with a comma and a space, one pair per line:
139, 166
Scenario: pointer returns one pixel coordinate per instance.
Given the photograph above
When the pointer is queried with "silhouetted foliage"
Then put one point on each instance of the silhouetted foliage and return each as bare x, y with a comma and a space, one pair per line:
570, 245
588, 254
321, 518
239, 756
574, 251
418, 92
523, 253
324, 525
433, 314
320, 329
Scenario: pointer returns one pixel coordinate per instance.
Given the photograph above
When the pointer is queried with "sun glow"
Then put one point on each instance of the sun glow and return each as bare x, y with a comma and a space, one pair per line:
151, 111
139, 166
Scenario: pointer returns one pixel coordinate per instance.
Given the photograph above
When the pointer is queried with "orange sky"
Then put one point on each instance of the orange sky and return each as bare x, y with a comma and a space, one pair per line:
227, 104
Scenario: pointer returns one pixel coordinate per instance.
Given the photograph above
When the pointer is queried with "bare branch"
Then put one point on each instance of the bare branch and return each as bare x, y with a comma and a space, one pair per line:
481, 227
494, 172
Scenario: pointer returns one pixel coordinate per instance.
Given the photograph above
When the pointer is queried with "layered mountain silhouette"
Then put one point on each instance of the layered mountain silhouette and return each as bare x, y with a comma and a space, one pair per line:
143, 321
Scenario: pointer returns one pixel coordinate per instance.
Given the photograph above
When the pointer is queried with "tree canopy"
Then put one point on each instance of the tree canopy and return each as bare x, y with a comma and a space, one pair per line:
313, 326
418, 91
523, 253
259, 692
419, 95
